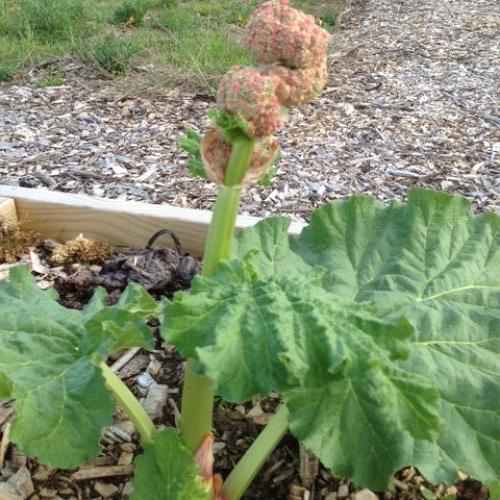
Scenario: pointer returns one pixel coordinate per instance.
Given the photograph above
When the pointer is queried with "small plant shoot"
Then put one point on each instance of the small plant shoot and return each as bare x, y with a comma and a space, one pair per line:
378, 326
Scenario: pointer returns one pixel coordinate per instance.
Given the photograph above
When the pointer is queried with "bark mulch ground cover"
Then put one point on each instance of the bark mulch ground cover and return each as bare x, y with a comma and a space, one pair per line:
412, 100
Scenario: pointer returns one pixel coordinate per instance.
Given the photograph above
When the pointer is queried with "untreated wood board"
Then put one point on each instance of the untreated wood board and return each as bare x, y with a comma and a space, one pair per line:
64, 216
8, 210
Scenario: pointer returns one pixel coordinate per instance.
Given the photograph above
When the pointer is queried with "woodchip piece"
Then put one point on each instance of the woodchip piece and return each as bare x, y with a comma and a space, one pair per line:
412, 101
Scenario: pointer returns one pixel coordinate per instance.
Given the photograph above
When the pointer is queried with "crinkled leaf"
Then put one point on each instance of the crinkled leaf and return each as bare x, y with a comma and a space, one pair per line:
61, 401
268, 241
430, 260
272, 172
267, 178
139, 302
441, 265
134, 299
98, 301
50, 359
362, 428
257, 332
21, 287
167, 471
233, 126
112, 329
122, 325
494, 490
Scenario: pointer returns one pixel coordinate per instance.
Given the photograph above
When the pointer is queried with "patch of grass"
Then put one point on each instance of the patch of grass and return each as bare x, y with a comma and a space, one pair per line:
53, 19
51, 77
205, 35
114, 53
163, 3
178, 19
189, 42
326, 11
204, 40
13, 54
205, 55
131, 12
222, 12
7, 72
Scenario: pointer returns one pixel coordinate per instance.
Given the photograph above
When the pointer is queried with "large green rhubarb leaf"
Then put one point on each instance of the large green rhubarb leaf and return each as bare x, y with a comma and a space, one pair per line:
50, 358
167, 471
441, 265
239, 323
5, 387
320, 318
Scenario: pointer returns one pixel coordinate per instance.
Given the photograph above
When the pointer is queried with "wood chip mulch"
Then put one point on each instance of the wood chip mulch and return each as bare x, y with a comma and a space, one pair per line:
413, 100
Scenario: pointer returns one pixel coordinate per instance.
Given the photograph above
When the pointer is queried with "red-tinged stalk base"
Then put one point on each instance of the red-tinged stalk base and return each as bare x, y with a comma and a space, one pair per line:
204, 457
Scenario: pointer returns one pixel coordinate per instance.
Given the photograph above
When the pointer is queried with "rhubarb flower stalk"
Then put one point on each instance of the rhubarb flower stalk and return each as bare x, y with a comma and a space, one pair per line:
292, 51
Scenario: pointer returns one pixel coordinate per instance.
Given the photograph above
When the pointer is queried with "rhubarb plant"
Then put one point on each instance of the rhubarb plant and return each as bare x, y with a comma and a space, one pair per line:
379, 326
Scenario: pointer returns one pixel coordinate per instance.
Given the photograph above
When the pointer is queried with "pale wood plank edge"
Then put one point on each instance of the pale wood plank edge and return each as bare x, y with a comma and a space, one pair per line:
63, 216
8, 212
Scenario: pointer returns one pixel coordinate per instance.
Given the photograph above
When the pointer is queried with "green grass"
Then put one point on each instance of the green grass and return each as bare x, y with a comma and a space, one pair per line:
52, 76
114, 53
52, 19
189, 42
131, 12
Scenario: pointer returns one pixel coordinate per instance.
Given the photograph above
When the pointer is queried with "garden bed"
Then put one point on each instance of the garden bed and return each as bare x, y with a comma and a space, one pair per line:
65, 216
289, 473
371, 336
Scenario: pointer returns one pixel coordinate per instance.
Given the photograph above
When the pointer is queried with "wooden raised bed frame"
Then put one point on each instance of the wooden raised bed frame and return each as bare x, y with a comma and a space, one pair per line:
122, 223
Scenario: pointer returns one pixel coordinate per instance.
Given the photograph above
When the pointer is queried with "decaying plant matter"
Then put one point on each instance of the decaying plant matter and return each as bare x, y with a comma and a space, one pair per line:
83, 250
14, 241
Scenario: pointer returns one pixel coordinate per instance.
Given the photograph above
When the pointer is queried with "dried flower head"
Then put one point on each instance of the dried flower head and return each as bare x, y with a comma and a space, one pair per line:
14, 241
215, 152
83, 250
246, 92
278, 33
298, 85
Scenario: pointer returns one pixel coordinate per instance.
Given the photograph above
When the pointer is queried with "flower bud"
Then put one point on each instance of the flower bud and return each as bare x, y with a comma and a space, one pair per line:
246, 92
298, 85
215, 153
278, 33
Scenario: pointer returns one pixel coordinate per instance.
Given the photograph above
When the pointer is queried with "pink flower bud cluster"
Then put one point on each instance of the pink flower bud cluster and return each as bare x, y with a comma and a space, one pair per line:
298, 85
247, 92
215, 152
278, 33
292, 50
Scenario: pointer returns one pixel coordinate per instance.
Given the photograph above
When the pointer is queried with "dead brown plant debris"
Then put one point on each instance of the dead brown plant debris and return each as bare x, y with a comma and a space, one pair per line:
15, 242
82, 250
161, 271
